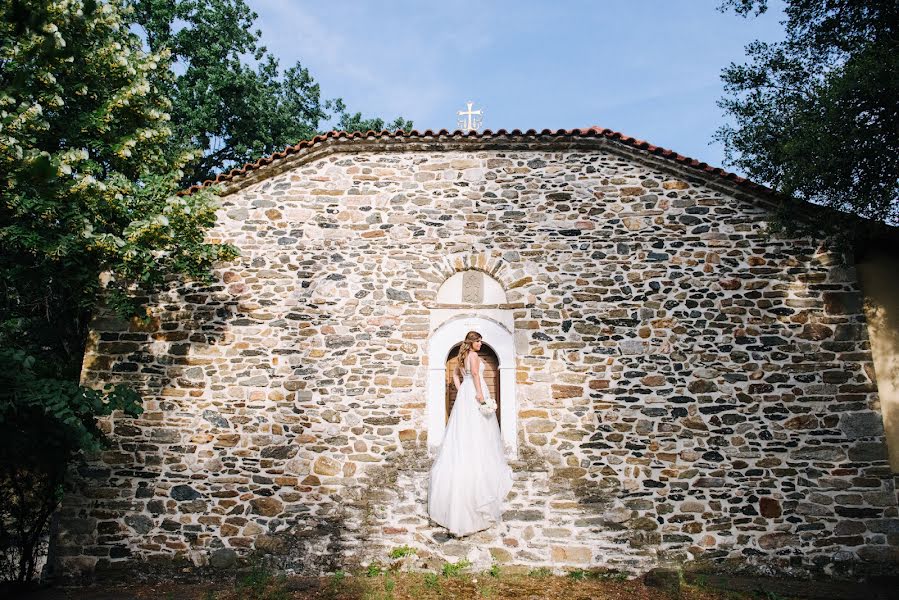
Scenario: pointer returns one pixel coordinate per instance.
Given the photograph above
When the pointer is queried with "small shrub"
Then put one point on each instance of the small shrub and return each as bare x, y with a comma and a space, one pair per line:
454, 569
493, 571
578, 574
374, 570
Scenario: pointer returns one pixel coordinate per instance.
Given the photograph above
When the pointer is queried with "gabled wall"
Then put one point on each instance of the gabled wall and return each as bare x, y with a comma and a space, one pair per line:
687, 389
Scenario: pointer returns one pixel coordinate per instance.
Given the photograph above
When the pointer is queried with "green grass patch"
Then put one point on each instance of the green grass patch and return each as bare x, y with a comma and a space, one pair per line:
261, 584
493, 571
455, 569
401, 551
432, 581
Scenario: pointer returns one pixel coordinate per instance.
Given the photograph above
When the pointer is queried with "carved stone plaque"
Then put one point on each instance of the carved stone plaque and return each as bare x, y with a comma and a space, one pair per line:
472, 287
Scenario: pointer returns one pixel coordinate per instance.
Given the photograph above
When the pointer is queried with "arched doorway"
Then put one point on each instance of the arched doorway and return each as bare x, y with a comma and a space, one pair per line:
491, 376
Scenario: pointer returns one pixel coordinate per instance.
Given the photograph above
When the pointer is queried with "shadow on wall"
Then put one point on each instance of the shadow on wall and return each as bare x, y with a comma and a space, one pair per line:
209, 470
122, 491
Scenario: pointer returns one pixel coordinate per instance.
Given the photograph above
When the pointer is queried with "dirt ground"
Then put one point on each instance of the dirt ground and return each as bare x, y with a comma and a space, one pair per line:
399, 587
536, 585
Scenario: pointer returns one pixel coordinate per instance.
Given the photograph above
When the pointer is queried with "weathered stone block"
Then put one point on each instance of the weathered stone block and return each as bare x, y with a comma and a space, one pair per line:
571, 554
861, 425
184, 493
324, 465
267, 507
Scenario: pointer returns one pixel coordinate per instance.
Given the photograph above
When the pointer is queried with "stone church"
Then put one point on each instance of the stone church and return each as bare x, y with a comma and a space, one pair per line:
675, 387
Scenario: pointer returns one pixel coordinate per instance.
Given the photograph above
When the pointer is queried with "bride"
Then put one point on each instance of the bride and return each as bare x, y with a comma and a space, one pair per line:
470, 477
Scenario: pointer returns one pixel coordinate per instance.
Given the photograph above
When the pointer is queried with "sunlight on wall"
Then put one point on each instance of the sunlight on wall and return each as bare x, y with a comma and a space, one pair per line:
877, 273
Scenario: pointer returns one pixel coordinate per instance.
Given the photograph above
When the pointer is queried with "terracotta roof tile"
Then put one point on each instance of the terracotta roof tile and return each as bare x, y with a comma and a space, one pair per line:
595, 131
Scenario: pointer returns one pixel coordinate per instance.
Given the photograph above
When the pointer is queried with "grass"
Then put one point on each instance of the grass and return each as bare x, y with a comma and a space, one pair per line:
540, 572
261, 584
448, 582
401, 551
455, 569
432, 582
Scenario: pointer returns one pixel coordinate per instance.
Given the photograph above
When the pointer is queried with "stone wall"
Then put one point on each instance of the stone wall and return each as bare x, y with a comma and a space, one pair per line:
688, 390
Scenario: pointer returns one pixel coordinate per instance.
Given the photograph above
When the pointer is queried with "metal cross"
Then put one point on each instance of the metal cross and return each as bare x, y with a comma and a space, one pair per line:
468, 123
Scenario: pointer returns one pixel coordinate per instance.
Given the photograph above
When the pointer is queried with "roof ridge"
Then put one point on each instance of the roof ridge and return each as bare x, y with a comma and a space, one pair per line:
592, 131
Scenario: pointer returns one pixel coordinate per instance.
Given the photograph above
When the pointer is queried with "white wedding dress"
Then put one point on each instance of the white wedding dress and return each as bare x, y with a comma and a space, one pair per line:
470, 477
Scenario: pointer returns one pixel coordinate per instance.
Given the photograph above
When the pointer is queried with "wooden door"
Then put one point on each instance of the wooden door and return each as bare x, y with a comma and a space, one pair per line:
491, 376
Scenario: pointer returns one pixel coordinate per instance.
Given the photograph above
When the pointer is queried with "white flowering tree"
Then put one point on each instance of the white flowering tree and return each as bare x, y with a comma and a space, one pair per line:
85, 189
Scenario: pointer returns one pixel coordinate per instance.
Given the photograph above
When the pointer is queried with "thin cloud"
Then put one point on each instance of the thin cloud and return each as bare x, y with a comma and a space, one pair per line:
381, 70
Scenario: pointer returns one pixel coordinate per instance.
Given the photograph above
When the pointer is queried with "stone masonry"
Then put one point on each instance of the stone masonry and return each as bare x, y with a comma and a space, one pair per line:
689, 390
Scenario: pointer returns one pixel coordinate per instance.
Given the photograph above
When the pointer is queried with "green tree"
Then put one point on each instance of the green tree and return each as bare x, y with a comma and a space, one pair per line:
87, 188
355, 121
816, 116
234, 111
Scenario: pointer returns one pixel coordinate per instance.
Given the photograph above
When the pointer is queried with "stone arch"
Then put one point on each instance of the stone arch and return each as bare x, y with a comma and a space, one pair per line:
501, 340
488, 261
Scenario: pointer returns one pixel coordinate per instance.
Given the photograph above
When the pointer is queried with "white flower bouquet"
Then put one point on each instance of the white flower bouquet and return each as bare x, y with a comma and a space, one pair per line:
488, 407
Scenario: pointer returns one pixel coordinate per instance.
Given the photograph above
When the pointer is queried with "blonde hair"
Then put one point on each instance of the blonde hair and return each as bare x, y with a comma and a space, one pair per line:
470, 338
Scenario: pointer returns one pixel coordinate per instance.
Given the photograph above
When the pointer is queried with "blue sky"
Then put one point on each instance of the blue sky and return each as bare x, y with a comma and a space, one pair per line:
648, 68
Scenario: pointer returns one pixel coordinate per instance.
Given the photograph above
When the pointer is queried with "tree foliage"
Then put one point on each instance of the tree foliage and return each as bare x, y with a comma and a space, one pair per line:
36, 402
235, 111
87, 188
356, 122
816, 116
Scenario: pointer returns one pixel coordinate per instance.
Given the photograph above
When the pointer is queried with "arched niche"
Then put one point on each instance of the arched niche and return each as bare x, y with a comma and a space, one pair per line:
442, 340
471, 292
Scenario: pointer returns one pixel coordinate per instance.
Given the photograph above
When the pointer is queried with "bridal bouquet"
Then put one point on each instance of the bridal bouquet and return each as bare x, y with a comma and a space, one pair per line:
488, 407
